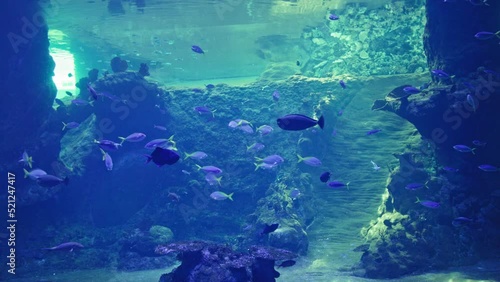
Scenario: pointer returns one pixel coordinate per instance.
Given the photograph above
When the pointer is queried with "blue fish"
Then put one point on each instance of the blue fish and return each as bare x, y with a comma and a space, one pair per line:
296, 122
197, 49
342, 84
373, 131
333, 17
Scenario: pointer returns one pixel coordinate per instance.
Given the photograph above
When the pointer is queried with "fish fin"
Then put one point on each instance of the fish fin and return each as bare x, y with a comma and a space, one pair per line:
198, 166
26, 173
347, 185
30, 162
149, 158
321, 122
218, 180
256, 166
417, 201
425, 184
258, 159
66, 181
230, 196
64, 126
300, 158
123, 140
187, 155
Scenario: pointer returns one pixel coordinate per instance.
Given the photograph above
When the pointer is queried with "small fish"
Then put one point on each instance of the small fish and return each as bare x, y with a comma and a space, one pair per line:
198, 155
241, 122
338, 184
164, 143
485, 35
92, 92
186, 172
295, 122
246, 128
276, 96
268, 228
272, 159
264, 130
478, 2
373, 131
342, 84
451, 169
488, 168
255, 147
325, 176
197, 49
416, 186
440, 74
287, 263
428, 204
212, 179
134, 137
26, 160
161, 156
69, 246
70, 125
107, 160
70, 75
333, 17
375, 166
159, 127
34, 174
204, 110
80, 102
471, 102
265, 166
297, 63
48, 180
295, 193
461, 221
108, 145
479, 143
464, 149
59, 102
69, 93
311, 161
340, 113
410, 90
221, 196
210, 169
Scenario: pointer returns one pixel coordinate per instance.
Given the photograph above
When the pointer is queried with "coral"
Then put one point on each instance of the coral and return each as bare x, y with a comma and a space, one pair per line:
161, 234
118, 65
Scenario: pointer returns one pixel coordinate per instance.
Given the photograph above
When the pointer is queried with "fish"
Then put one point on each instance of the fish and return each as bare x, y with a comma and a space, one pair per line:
108, 145
264, 130
186, 172
325, 176
70, 75
373, 131
297, 63
295, 122
134, 137
48, 180
295, 193
107, 160
488, 168
268, 228
26, 160
240, 122
34, 174
163, 143
80, 102
340, 113
163, 128
204, 110
255, 147
428, 204
69, 93
246, 128
197, 49
276, 96
59, 102
272, 159
212, 179
161, 156
416, 186
210, 169
479, 143
461, 221
464, 149
485, 35
198, 155
337, 184
232, 124
92, 92
65, 246
451, 169
471, 102
311, 161
342, 84
440, 74
265, 166
410, 90
70, 125
333, 17
287, 263
375, 166
220, 196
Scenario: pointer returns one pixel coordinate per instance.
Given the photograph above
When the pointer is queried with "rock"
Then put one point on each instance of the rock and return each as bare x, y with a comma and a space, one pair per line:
363, 55
118, 65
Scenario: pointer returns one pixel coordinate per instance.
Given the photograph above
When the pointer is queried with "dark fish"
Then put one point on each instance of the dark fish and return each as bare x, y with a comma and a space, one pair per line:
488, 168
92, 92
59, 102
461, 221
451, 169
428, 204
333, 17
325, 176
70, 75
287, 263
80, 102
440, 74
297, 63
410, 90
162, 157
416, 186
269, 228
65, 246
464, 149
108, 145
197, 49
296, 122
69, 93
373, 131
342, 84
48, 180
337, 184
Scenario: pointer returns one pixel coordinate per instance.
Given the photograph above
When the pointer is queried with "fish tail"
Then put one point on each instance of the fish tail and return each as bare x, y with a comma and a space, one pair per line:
30, 162
218, 180
123, 139
64, 126
256, 166
230, 196
187, 155
347, 185
300, 158
321, 122
26, 173
425, 184
472, 151
198, 166
417, 201
213, 115
497, 34
258, 159
66, 181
